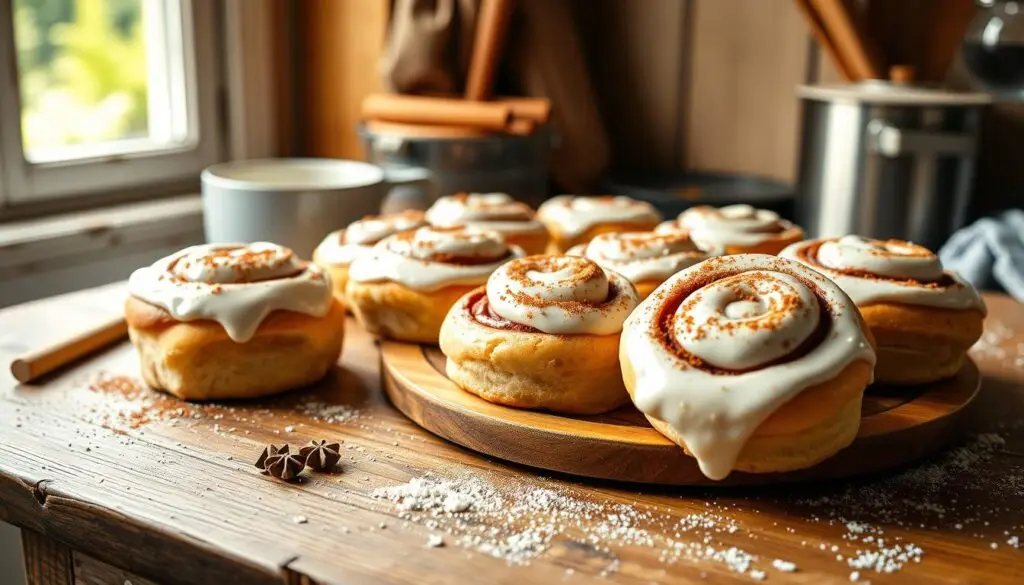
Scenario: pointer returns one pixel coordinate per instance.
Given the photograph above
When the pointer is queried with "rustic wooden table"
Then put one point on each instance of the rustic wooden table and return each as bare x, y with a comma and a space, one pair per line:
112, 483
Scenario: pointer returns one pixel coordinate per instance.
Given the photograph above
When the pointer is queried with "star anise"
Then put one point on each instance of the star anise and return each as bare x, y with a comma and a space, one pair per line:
268, 451
321, 455
285, 465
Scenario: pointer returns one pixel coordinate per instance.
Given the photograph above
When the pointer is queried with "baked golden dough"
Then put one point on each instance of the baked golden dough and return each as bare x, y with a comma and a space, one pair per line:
918, 344
809, 429
395, 311
196, 360
339, 277
531, 241
759, 362
574, 374
923, 318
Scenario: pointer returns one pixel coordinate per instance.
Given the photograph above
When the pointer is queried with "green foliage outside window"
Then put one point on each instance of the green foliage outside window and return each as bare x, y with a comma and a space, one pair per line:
82, 66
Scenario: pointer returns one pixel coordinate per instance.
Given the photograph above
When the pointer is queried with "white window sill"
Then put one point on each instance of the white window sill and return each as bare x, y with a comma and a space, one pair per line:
57, 254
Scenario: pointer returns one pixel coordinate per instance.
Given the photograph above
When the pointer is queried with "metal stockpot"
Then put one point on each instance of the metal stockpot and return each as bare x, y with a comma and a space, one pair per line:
517, 165
887, 161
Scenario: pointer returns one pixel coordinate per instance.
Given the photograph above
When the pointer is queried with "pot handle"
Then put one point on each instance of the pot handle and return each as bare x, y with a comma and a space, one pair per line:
888, 140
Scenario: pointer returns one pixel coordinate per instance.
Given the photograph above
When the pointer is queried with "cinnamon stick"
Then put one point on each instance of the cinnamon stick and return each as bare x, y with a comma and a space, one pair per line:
537, 110
40, 362
442, 111
849, 40
826, 42
491, 28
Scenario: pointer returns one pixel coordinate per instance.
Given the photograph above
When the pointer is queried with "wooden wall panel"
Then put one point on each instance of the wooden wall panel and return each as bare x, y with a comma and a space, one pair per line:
636, 61
338, 44
742, 113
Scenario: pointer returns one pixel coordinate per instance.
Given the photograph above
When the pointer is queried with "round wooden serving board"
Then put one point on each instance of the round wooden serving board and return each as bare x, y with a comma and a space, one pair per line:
898, 425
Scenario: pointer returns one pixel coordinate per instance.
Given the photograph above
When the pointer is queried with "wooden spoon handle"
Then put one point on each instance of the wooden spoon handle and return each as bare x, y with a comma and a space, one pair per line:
40, 362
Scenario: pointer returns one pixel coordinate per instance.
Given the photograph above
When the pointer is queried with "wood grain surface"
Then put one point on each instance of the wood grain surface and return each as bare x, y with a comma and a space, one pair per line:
166, 490
899, 425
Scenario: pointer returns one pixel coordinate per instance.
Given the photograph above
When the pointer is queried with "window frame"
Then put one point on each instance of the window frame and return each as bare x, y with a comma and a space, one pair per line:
23, 182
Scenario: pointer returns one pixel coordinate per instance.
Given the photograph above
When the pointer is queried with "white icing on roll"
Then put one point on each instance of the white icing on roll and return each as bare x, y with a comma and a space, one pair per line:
561, 295
492, 211
872, 271
755, 310
738, 225
641, 256
574, 215
343, 246
430, 258
235, 285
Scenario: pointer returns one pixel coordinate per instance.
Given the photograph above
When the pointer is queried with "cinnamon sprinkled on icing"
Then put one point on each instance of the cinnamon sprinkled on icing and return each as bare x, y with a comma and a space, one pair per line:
433, 257
739, 225
235, 285
873, 271
574, 215
561, 294
342, 246
642, 256
722, 345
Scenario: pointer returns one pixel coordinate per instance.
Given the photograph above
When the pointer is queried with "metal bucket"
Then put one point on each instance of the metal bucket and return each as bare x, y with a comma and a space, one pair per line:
517, 165
887, 161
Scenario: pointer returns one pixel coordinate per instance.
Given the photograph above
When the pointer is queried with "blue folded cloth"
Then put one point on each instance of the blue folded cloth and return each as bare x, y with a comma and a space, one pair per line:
990, 253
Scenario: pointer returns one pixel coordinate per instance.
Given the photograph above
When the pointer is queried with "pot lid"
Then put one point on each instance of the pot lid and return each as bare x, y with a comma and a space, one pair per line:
886, 93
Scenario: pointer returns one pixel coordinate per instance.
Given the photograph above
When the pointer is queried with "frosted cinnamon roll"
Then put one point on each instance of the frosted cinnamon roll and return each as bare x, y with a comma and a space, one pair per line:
544, 334
736, 229
645, 258
498, 212
336, 253
404, 286
923, 318
233, 321
749, 362
572, 220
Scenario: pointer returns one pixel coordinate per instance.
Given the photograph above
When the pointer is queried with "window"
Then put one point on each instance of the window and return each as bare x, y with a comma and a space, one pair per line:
105, 96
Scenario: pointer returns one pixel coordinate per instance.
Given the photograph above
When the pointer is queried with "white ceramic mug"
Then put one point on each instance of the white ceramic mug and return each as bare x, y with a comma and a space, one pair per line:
294, 202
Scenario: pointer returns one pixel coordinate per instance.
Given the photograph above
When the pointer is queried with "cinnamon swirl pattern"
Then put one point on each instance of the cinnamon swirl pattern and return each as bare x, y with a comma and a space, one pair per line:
749, 362
405, 285
645, 258
574, 220
233, 321
498, 212
736, 229
871, 271
924, 318
543, 334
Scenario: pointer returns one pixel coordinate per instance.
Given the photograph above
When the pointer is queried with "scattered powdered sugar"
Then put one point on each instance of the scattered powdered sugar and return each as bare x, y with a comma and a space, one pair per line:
784, 566
326, 412
518, 522
992, 345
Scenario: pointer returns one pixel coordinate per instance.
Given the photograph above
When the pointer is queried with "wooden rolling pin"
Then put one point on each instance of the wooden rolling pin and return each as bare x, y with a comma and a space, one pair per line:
40, 362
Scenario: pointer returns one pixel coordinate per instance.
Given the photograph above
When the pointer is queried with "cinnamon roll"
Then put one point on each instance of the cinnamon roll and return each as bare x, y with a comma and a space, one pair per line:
498, 212
645, 258
544, 334
233, 321
572, 220
923, 318
750, 363
404, 286
337, 251
736, 229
